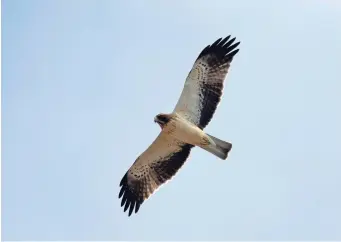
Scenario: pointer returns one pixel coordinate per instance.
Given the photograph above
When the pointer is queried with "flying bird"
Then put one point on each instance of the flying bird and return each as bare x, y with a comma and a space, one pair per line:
182, 129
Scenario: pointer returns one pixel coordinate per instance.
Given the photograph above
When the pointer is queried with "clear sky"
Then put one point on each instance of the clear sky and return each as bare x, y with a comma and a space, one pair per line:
83, 80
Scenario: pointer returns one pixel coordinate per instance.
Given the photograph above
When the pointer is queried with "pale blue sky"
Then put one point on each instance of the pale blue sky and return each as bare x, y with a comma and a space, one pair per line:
83, 80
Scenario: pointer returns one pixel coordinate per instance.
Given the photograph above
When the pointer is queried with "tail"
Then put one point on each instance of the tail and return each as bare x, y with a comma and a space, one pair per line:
220, 148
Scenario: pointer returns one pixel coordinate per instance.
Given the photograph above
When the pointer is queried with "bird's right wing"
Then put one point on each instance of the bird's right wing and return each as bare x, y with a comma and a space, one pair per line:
158, 164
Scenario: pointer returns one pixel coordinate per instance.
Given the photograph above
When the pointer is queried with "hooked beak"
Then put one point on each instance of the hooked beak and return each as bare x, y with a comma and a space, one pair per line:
156, 121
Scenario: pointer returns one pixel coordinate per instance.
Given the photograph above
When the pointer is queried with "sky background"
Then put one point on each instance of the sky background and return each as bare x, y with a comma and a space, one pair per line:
83, 80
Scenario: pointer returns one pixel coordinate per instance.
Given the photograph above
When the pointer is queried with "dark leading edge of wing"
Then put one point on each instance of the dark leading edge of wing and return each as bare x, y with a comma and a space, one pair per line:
218, 56
134, 192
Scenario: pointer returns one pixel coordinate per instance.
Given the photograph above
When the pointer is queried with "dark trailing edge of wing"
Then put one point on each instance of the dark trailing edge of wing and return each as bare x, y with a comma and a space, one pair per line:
223, 49
132, 197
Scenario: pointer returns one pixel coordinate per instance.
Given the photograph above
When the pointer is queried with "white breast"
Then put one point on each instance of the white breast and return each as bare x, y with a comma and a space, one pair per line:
185, 131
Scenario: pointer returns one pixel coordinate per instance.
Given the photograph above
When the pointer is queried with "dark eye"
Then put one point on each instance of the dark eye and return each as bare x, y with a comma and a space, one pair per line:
162, 118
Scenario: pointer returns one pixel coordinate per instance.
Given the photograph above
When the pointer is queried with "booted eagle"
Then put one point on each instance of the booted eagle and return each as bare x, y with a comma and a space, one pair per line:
182, 129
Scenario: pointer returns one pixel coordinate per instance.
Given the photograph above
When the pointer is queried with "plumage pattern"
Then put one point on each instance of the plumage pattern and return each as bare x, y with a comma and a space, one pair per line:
158, 164
198, 101
205, 82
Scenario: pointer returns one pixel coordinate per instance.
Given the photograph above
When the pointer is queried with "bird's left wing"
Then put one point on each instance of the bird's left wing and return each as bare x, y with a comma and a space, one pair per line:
205, 82
158, 164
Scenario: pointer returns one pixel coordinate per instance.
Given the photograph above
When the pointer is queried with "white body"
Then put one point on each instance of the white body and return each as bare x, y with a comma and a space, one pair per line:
182, 129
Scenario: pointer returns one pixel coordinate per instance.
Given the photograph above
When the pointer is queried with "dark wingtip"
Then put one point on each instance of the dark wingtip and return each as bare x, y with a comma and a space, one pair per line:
216, 42
137, 207
230, 56
124, 179
226, 45
129, 199
221, 47
131, 209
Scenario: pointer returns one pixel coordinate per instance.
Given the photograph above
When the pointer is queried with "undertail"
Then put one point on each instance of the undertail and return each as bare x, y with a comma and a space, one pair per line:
219, 148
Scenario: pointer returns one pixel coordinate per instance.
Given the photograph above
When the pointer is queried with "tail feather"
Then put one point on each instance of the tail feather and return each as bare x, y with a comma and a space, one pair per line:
220, 148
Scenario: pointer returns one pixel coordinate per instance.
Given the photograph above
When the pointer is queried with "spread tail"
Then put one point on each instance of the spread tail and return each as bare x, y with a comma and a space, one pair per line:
220, 148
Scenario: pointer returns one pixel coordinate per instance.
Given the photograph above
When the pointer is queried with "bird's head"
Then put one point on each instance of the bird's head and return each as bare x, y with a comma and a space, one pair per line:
162, 119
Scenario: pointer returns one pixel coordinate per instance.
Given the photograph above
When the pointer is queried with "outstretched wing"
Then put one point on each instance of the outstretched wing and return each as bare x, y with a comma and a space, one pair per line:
158, 164
205, 82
